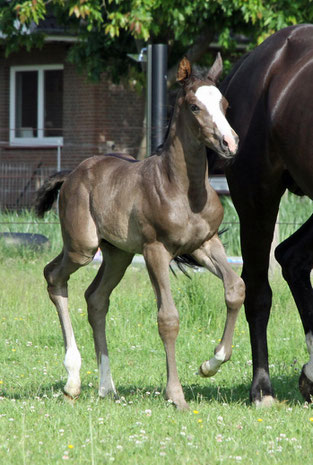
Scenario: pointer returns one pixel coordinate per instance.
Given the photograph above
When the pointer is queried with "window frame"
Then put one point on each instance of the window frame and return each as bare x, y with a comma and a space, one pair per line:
40, 139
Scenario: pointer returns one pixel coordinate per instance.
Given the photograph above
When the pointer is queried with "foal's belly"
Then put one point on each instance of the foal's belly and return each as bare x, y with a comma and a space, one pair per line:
132, 236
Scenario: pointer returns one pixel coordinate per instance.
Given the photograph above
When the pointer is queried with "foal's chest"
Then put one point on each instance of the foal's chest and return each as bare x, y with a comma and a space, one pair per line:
184, 231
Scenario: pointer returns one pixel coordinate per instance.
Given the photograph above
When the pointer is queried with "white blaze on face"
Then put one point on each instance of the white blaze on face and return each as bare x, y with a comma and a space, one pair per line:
211, 98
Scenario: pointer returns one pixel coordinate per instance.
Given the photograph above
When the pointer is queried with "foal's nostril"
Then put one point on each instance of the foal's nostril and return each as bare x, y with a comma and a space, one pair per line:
224, 143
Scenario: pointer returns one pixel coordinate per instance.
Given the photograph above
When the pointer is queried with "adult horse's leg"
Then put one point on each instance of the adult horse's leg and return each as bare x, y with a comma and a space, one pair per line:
212, 256
295, 256
157, 260
112, 270
57, 274
257, 206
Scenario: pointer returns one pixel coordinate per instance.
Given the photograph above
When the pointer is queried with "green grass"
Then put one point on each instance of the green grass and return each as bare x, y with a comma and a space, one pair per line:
293, 212
38, 426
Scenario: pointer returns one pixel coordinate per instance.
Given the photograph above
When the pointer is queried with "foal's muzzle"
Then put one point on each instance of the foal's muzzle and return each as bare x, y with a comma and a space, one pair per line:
229, 145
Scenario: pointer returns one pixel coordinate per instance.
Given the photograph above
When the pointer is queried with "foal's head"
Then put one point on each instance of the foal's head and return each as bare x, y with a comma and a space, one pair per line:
205, 108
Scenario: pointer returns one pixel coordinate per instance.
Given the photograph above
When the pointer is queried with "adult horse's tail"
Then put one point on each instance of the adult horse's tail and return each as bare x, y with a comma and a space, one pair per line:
48, 192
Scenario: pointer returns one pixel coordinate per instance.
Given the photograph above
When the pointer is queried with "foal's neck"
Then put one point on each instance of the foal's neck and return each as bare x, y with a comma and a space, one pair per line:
185, 157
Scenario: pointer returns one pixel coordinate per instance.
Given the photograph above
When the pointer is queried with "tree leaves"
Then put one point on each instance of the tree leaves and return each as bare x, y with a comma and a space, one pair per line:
176, 22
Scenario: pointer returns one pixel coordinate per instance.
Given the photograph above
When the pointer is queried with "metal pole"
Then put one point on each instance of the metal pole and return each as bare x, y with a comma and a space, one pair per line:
158, 95
59, 156
58, 169
149, 100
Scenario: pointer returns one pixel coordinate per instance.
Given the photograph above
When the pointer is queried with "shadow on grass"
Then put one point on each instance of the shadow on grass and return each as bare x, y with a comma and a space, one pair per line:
285, 388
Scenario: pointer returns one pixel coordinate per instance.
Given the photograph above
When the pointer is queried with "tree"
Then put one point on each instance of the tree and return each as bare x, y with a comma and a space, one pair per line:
109, 29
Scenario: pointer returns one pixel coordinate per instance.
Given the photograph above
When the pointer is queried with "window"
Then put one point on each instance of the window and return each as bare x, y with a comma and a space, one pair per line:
36, 105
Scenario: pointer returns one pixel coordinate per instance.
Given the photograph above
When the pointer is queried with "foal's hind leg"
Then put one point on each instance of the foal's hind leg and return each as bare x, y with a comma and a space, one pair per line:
212, 256
57, 274
295, 256
112, 270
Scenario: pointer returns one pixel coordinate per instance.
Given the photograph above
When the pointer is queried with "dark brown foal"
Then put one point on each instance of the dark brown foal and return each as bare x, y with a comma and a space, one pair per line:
160, 207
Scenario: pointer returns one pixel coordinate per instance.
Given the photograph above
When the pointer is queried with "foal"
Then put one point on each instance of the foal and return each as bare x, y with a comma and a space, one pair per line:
160, 207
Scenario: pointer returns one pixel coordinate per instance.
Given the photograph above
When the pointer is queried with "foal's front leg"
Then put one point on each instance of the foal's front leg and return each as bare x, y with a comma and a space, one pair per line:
212, 256
157, 260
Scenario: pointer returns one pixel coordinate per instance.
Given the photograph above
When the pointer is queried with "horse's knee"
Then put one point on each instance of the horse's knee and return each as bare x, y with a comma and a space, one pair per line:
285, 259
235, 294
48, 273
293, 264
168, 323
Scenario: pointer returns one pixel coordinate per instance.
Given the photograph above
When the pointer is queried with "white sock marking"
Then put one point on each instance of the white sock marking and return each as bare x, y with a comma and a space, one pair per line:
106, 381
72, 362
210, 367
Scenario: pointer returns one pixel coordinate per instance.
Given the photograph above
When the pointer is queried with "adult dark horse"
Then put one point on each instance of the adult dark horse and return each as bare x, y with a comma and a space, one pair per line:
161, 207
270, 94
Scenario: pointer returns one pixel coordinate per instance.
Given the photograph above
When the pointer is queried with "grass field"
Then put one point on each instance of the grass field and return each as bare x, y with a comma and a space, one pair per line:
38, 426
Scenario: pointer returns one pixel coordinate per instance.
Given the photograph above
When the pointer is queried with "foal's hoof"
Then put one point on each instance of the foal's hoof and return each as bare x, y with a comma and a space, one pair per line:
72, 391
306, 386
69, 399
177, 399
205, 371
181, 405
108, 394
265, 402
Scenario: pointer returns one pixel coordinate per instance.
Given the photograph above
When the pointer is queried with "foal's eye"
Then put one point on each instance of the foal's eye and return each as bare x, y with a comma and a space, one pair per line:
194, 108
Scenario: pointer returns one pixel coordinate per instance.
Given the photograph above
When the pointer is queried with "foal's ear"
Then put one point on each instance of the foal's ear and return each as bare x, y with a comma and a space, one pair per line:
216, 69
184, 71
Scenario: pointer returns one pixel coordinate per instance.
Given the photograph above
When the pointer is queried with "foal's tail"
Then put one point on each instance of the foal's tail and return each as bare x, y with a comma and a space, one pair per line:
48, 192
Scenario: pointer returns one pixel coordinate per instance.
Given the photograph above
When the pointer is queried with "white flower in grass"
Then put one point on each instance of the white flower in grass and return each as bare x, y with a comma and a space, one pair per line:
148, 412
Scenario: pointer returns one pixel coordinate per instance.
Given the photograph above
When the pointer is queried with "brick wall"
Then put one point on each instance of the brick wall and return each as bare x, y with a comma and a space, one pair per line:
93, 114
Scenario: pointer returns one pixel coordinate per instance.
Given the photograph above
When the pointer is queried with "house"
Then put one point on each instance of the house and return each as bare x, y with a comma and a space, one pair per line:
52, 117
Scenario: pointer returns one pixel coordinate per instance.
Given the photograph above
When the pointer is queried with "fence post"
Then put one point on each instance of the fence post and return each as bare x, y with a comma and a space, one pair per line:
59, 156
58, 168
